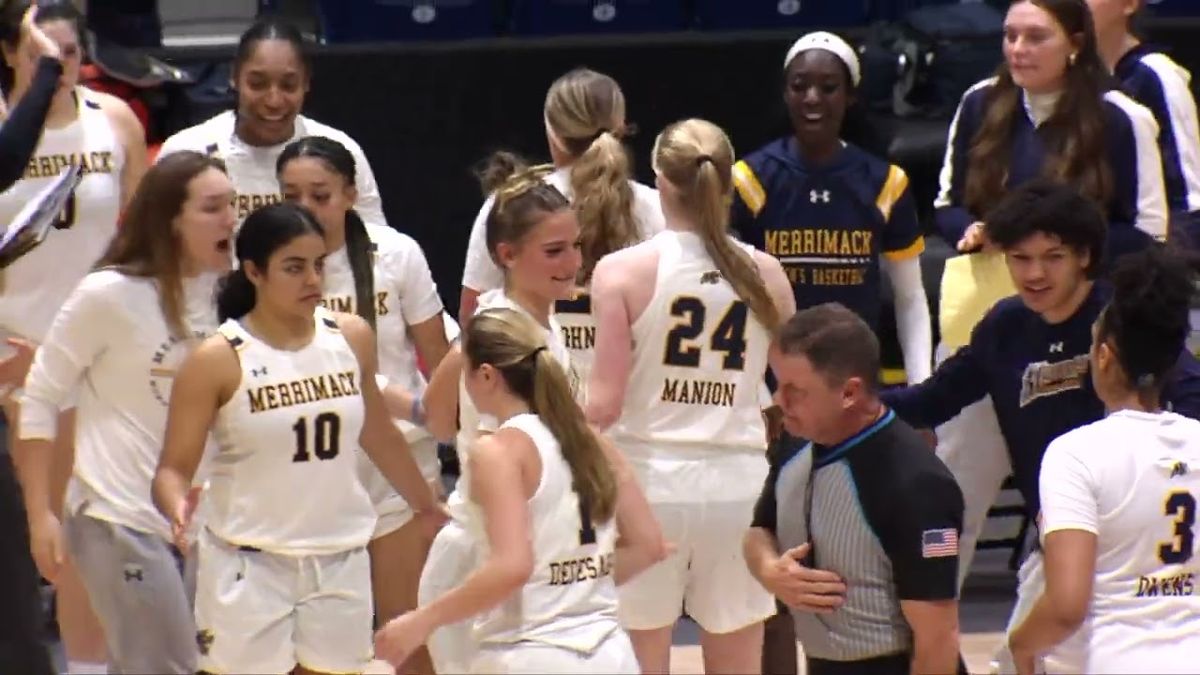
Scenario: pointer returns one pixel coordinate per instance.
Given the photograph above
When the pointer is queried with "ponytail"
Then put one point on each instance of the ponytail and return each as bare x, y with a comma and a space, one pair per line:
235, 295
603, 200
361, 251
498, 168
711, 206
516, 347
696, 159
593, 477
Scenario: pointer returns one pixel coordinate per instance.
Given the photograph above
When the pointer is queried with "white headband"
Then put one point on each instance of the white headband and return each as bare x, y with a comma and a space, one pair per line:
832, 44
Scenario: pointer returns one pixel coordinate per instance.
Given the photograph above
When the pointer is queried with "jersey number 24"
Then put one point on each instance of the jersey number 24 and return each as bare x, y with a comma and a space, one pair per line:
728, 337
1182, 505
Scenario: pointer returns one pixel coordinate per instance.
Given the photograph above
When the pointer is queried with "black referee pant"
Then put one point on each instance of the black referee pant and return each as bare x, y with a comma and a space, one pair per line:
22, 623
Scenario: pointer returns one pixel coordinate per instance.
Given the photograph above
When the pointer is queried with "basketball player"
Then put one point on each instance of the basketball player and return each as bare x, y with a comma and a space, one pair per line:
547, 506
117, 341
683, 326
289, 392
271, 75
381, 275
1119, 497
585, 122
833, 214
100, 132
1156, 81
533, 236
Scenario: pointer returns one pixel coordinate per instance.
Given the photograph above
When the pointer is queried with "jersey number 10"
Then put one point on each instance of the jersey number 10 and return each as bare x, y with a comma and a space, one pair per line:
1181, 505
327, 429
729, 336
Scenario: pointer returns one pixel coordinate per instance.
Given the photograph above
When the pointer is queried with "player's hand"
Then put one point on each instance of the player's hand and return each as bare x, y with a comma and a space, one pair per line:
14, 368
430, 521
46, 544
976, 239
34, 39
181, 519
801, 587
401, 636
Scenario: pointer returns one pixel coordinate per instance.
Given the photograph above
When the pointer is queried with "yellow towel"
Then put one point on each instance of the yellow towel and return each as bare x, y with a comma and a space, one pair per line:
971, 284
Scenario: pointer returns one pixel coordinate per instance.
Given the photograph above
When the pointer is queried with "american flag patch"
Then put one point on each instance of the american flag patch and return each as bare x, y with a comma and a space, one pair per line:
939, 543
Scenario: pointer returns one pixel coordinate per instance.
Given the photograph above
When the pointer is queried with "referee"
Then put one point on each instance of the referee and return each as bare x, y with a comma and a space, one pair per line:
856, 531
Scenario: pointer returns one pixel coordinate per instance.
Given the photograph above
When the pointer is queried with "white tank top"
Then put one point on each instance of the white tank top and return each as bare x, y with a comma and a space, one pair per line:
34, 287
471, 423
699, 357
284, 478
570, 600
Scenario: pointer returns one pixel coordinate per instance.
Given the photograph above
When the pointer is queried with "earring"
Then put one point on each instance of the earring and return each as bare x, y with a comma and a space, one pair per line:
1071, 59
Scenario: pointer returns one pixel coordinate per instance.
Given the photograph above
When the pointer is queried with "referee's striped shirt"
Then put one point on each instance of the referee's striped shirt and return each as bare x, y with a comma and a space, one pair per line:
883, 512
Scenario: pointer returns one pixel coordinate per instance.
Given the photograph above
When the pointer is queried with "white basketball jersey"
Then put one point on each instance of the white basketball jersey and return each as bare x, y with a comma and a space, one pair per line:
1133, 479
285, 478
570, 600
471, 423
579, 336
699, 356
36, 285
252, 168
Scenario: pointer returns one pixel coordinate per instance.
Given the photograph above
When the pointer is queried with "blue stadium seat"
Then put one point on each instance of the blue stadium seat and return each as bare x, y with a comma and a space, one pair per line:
745, 14
1173, 7
550, 17
391, 20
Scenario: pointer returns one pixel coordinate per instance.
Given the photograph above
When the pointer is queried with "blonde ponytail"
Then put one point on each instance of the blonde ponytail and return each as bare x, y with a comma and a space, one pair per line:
603, 201
593, 477
696, 158
513, 344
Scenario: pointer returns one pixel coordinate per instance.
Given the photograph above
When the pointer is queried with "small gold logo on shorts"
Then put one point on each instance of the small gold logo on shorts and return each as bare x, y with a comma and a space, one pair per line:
204, 640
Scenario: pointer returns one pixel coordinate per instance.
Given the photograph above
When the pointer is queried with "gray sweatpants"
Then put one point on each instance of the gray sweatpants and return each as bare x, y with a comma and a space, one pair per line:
135, 582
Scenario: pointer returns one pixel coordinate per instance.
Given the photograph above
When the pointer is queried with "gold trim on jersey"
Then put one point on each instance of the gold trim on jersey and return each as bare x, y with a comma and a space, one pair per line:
233, 336
748, 187
893, 189
911, 251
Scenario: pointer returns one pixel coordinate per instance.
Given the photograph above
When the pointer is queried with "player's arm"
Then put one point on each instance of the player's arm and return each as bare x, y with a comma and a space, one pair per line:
440, 401
132, 138
380, 438
776, 281
205, 382
950, 211
1069, 523
499, 489
903, 246
957, 382
919, 519
79, 334
614, 344
640, 542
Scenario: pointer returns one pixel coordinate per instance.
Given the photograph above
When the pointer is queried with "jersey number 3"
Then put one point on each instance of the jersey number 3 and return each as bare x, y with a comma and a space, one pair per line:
728, 337
1181, 505
327, 428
